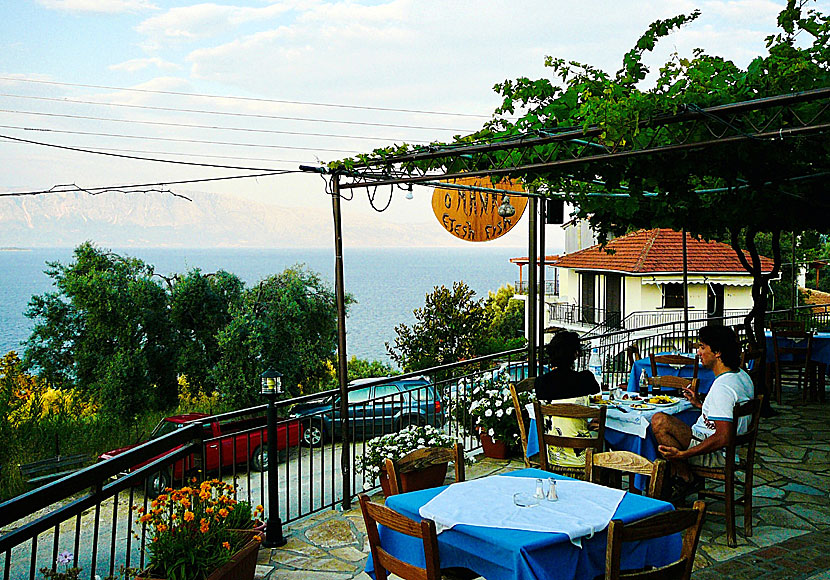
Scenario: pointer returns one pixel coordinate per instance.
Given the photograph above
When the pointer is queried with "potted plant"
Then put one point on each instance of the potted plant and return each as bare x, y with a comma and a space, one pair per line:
491, 407
192, 537
395, 446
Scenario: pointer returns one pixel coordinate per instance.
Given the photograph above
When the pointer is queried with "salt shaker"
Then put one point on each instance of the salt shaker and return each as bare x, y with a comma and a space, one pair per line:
552, 490
540, 493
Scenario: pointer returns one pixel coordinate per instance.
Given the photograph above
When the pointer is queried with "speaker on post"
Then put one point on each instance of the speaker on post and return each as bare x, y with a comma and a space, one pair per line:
554, 211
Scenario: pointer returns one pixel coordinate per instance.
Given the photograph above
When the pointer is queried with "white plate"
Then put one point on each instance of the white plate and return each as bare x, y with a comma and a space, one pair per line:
666, 404
642, 406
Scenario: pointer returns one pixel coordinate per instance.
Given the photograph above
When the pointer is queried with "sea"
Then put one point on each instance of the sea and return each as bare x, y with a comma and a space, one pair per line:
388, 283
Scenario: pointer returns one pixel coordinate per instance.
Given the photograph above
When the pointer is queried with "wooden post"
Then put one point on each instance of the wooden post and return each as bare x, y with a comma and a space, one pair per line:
342, 360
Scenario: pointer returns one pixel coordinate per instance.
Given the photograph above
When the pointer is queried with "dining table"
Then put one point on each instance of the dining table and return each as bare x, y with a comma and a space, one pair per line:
481, 528
819, 353
628, 429
704, 375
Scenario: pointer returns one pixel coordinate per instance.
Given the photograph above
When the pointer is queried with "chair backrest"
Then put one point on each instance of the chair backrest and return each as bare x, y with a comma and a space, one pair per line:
687, 521
384, 562
787, 325
423, 458
795, 343
632, 352
671, 382
752, 410
570, 411
528, 384
626, 462
673, 359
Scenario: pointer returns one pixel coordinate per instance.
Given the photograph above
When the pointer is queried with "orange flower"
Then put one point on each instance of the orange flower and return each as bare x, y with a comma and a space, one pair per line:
223, 512
174, 517
257, 538
145, 518
226, 545
161, 528
188, 516
204, 526
209, 510
186, 502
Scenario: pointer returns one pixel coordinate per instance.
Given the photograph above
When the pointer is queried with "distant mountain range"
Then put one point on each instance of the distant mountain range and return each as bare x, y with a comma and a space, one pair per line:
210, 220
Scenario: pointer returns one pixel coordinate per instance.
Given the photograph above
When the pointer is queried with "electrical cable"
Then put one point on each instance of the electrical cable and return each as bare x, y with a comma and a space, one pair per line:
195, 126
177, 139
143, 185
249, 99
231, 114
172, 162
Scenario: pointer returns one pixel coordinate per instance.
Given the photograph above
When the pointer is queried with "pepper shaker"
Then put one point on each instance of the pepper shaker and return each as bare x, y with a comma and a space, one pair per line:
552, 496
540, 493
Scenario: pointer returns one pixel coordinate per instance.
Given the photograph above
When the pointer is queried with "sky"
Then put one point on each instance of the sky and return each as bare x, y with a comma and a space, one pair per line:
276, 84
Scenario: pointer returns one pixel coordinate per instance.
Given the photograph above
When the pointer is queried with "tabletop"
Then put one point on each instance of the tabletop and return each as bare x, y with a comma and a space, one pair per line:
820, 351
502, 554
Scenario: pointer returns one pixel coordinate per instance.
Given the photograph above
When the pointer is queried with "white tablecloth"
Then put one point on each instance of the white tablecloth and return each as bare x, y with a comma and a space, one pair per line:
582, 509
631, 421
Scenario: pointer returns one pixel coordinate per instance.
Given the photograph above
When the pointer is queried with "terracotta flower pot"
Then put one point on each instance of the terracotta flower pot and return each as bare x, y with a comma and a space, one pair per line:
432, 476
493, 449
241, 566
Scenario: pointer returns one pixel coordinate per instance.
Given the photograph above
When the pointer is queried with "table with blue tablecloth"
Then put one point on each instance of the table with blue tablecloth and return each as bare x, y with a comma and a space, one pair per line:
704, 375
629, 431
820, 353
502, 553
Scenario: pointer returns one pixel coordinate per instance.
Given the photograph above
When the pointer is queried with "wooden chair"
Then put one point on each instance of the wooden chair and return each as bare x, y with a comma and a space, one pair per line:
728, 473
688, 521
384, 562
522, 414
793, 351
423, 458
674, 385
787, 325
569, 411
597, 465
632, 353
673, 359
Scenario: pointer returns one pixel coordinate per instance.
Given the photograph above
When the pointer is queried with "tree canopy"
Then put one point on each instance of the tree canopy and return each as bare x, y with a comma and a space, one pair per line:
709, 147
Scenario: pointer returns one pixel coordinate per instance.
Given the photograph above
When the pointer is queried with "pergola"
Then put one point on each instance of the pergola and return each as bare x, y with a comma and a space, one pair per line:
543, 156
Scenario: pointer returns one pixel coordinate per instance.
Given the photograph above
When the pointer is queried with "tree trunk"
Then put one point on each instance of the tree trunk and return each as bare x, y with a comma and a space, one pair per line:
754, 320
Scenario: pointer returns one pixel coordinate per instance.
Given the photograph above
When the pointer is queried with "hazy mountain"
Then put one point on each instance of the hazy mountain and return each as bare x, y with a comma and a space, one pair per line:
210, 220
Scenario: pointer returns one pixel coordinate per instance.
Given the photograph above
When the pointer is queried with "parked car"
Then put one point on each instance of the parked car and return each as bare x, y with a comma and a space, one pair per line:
514, 371
373, 410
240, 441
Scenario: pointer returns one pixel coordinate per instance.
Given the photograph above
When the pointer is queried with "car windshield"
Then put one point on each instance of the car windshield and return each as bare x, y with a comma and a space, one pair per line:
164, 428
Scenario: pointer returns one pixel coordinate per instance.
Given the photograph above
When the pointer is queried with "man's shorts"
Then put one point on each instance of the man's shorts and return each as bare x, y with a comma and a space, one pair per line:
714, 459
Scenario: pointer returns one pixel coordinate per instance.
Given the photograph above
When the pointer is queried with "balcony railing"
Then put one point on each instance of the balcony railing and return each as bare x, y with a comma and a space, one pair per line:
551, 287
88, 513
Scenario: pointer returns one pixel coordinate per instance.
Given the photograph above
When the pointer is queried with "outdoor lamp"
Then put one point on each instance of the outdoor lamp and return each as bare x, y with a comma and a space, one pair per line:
505, 209
271, 386
271, 383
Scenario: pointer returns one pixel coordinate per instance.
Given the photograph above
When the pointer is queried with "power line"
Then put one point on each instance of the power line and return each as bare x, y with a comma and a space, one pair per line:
195, 126
199, 155
251, 99
230, 114
172, 162
176, 139
73, 187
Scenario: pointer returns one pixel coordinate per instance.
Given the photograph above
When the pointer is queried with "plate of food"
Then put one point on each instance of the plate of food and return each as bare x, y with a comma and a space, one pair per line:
662, 401
598, 400
641, 406
629, 398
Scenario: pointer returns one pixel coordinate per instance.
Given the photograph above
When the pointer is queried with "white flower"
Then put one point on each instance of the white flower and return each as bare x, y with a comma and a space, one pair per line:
499, 413
488, 413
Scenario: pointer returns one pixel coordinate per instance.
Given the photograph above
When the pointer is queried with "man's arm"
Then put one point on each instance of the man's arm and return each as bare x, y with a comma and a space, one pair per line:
715, 441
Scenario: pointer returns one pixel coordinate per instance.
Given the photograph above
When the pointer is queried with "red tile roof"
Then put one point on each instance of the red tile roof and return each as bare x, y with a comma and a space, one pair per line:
659, 251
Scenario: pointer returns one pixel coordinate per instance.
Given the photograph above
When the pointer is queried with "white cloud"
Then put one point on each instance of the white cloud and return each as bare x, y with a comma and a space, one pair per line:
138, 64
102, 6
199, 21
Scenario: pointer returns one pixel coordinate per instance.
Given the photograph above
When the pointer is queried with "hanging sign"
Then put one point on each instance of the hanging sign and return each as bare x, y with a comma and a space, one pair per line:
473, 215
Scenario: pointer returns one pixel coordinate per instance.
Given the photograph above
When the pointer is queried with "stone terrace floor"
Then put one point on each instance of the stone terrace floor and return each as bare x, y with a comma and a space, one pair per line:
791, 515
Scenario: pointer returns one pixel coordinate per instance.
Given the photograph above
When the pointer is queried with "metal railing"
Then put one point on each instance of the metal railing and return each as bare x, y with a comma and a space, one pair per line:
88, 513
551, 287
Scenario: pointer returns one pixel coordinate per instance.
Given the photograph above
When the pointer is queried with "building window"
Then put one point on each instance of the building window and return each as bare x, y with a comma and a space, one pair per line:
672, 295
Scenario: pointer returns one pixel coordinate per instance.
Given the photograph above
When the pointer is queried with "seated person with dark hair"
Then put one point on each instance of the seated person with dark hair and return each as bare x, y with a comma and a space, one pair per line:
565, 385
